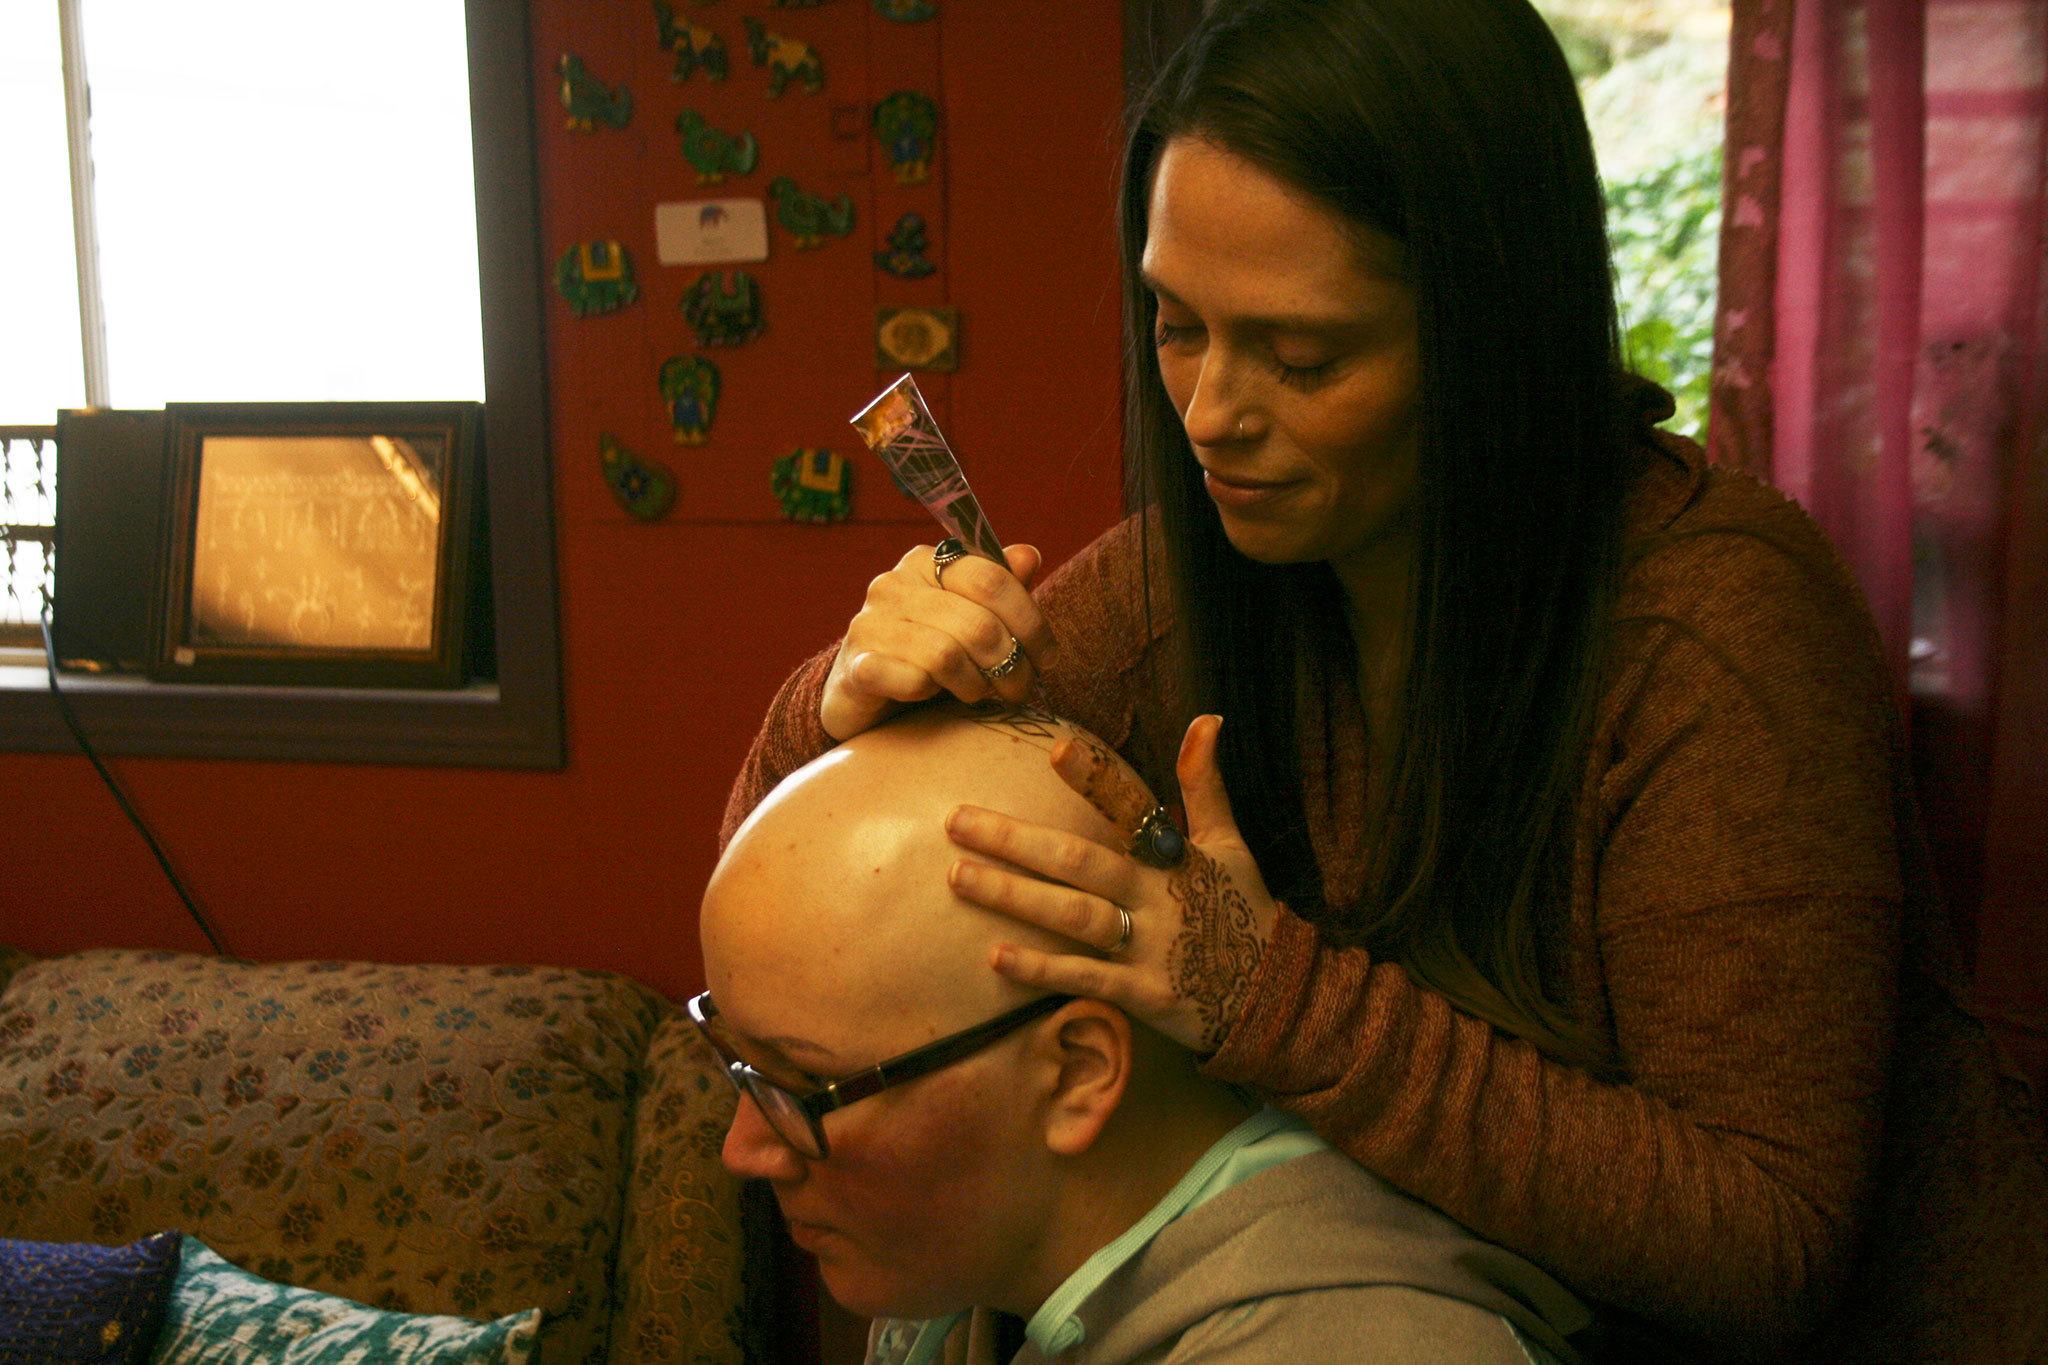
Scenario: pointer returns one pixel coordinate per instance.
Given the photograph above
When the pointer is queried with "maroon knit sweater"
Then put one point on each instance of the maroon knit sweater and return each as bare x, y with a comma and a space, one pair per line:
1813, 1135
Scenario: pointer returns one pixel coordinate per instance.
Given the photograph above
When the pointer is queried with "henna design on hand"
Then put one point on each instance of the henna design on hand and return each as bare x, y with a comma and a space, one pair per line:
1213, 957
1094, 770
1089, 766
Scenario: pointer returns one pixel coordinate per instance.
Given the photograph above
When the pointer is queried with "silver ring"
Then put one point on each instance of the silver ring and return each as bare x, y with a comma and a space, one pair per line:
947, 553
1123, 938
997, 672
1158, 842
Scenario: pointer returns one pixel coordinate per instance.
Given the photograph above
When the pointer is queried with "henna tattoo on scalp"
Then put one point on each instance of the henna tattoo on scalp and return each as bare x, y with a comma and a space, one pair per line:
1213, 957
1090, 766
1020, 720
1086, 764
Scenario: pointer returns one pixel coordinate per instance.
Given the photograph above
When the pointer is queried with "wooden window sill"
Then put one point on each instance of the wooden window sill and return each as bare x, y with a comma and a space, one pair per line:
482, 725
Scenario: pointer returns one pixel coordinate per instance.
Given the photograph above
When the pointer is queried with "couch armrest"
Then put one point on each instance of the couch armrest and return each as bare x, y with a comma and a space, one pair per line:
682, 1250
12, 960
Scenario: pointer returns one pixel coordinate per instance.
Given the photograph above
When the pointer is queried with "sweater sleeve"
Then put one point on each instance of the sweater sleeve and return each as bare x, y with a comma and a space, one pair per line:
791, 735
1739, 875
1097, 614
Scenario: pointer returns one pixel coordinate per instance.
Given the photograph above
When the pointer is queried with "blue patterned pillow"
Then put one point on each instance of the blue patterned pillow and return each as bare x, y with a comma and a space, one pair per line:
84, 1302
220, 1314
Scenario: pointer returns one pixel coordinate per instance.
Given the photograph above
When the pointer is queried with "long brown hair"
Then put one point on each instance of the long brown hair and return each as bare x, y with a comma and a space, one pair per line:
1453, 127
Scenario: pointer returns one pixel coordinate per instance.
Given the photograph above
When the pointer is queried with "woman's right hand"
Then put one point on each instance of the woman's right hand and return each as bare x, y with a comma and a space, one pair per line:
914, 639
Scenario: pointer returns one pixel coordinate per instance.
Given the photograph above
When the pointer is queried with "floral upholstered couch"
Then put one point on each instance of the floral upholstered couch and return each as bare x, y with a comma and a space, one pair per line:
472, 1140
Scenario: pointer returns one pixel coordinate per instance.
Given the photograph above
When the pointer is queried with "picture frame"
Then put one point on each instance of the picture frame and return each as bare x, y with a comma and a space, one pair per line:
318, 544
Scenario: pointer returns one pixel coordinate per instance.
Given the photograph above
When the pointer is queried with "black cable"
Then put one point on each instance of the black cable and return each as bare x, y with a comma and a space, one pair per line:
121, 797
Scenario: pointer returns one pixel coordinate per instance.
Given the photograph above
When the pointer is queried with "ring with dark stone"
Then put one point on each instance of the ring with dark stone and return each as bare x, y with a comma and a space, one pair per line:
1159, 842
947, 553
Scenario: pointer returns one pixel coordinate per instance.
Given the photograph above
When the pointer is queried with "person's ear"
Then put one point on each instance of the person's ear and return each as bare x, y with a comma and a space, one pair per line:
1088, 1050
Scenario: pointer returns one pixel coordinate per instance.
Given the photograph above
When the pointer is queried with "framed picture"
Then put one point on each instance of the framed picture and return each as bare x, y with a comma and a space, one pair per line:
317, 543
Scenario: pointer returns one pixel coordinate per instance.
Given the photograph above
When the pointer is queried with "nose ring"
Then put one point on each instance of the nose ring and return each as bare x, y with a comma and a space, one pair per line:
1240, 428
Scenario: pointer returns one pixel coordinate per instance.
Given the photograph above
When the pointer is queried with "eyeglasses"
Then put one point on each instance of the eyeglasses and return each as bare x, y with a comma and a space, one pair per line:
799, 1119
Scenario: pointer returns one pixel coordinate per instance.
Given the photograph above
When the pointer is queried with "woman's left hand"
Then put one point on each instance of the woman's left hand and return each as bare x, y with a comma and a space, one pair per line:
1197, 930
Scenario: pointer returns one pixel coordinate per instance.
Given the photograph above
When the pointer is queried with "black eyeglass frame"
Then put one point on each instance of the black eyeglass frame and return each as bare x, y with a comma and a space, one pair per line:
906, 1066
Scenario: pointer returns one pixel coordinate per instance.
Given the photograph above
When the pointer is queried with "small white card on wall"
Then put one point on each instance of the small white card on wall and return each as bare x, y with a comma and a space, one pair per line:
710, 231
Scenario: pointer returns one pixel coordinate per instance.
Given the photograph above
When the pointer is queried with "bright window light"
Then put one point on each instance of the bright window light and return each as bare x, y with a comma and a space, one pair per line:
41, 359
285, 200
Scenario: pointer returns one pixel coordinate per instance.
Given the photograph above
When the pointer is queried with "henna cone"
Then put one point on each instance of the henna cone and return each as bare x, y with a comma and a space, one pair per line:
899, 428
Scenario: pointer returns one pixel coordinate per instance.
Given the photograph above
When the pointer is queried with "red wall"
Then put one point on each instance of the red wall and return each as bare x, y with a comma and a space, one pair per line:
675, 634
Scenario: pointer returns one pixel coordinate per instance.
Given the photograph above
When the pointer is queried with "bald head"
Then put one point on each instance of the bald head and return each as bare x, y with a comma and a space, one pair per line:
833, 942
836, 886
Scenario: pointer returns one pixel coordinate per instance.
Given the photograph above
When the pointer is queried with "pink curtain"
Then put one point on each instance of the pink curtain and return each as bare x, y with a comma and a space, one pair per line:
1879, 357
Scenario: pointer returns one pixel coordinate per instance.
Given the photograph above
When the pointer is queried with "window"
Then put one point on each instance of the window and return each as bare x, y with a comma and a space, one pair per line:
28, 488
256, 219
1654, 80
286, 209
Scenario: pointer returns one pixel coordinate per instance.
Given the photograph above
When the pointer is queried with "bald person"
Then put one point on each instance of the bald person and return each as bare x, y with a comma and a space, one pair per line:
947, 1144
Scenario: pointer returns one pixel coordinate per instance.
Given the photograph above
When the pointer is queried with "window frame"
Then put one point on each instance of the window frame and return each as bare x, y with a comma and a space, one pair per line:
515, 721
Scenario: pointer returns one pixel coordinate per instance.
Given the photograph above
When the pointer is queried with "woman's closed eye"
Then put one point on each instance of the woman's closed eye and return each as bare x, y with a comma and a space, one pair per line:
1303, 376
1167, 334
772, 1063
800, 1079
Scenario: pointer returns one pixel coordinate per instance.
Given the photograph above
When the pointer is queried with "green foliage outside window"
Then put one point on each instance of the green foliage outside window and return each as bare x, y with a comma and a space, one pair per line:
1664, 228
1652, 74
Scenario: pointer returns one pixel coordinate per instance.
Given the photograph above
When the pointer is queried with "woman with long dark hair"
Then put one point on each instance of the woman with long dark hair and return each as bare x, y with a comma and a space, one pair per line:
1567, 848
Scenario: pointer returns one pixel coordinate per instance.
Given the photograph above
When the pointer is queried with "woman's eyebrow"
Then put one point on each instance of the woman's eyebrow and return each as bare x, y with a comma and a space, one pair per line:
1151, 282
1277, 322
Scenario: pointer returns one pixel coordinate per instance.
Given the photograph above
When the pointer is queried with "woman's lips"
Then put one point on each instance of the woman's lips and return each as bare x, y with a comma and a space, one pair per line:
1243, 493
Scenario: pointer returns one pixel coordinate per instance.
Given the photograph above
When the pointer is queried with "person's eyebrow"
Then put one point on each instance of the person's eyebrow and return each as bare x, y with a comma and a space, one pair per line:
782, 1045
1278, 322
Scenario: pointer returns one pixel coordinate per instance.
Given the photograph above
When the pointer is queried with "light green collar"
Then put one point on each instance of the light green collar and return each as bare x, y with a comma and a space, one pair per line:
912, 1342
1266, 1139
